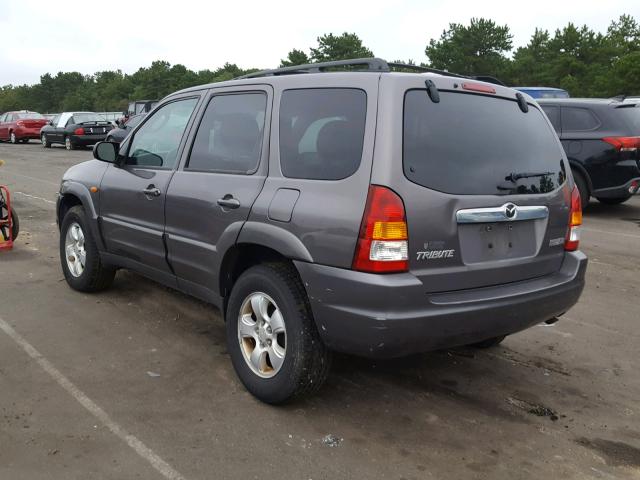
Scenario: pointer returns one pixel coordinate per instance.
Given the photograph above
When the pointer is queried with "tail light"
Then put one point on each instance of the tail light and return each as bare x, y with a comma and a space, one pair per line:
572, 241
624, 144
79, 131
383, 243
20, 123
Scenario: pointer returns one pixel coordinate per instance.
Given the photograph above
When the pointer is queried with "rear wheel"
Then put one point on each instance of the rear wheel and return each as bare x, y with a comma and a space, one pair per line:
45, 141
68, 144
81, 264
614, 201
489, 342
583, 188
271, 336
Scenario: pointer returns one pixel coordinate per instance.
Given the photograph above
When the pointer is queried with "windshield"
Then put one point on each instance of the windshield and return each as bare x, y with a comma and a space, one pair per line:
29, 116
87, 117
477, 145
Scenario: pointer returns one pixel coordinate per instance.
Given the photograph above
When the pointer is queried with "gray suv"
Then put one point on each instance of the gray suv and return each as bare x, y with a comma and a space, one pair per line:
336, 207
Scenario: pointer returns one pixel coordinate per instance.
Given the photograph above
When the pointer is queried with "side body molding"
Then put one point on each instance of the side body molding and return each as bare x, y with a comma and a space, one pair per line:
276, 238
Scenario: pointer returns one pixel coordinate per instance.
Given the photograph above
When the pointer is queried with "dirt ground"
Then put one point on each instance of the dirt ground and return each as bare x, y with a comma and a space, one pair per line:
136, 382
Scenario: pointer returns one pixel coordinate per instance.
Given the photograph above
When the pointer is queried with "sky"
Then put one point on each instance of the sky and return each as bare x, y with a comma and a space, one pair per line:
37, 37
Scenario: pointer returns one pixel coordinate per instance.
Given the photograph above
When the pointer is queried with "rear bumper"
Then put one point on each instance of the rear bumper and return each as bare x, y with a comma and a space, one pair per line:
391, 315
630, 188
84, 140
31, 133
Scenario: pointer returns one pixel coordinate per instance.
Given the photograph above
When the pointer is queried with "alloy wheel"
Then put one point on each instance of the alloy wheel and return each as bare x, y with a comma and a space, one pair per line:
262, 334
75, 252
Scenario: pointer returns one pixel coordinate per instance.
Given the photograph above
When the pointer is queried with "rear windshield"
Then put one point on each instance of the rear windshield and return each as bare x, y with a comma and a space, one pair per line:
29, 116
87, 117
631, 115
475, 145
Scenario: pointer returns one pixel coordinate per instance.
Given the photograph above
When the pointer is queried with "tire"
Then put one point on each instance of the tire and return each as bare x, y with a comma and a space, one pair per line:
93, 276
304, 362
15, 224
12, 138
583, 188
614, 201
45, 142
68, 144
489, 342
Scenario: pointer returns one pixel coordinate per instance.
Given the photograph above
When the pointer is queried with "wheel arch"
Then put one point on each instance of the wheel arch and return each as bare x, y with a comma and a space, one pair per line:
73, 194
575, 165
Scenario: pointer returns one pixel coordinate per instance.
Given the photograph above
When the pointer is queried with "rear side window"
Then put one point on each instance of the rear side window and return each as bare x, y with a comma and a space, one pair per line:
229, 138
631, 116
554, 116
576, 119
474, 144
322, 132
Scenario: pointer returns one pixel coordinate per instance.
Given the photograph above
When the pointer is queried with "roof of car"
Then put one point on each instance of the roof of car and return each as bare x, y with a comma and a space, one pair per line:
555, 89
580, 101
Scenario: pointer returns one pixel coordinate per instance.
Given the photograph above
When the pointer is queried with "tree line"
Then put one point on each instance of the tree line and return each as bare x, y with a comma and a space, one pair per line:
584, 62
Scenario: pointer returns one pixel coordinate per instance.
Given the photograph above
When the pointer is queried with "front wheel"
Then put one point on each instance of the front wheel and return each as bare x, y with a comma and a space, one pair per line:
614, 201
271, 336
12, 138
81, 264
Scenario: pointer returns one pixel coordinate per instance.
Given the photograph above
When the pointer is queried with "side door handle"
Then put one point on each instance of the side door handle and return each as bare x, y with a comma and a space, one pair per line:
151, 191
228, 201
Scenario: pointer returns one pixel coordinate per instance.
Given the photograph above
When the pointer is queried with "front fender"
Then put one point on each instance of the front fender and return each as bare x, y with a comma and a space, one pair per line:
71, 188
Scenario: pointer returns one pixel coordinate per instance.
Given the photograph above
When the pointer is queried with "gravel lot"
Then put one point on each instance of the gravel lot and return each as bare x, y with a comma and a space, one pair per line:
136, 382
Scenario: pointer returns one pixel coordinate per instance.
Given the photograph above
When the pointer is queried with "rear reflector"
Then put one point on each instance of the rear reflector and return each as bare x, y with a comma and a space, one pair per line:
478, 87
572, 240
382, 243
624, 144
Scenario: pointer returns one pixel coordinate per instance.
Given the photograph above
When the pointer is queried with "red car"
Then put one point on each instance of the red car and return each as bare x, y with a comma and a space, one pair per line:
21, 126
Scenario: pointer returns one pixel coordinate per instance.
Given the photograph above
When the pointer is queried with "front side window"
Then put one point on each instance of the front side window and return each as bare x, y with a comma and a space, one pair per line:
322, 132
229, 138
156, 143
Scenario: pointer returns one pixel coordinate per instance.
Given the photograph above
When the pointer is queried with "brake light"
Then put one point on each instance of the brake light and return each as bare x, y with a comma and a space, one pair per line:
78, 131
383, 242
20, 123
624, 144
478, 87
572, 241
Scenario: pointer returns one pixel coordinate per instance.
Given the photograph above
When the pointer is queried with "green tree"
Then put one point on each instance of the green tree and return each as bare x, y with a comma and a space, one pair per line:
479, 48
342, 47
295, 57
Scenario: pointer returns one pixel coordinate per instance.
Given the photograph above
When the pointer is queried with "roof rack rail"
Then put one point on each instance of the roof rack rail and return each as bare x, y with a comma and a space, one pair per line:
367, 65
371, 64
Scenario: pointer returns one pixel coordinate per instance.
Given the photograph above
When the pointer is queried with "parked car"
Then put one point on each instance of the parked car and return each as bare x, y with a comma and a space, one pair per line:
119, 133
75, 129
21, 126
345, 216
601, 138
544, 92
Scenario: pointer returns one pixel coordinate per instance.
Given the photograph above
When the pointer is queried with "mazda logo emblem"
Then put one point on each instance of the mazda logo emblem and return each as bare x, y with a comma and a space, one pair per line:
510, 210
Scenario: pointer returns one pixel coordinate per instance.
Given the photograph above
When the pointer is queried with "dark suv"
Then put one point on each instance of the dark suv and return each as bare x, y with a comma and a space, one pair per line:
370, 212
601, 138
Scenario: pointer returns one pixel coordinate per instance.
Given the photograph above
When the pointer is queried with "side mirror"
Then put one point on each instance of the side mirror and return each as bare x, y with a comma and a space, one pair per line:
106, 151
51, 123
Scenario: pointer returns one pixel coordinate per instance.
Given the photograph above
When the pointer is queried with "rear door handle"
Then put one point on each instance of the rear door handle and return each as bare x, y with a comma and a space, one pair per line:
151, 191
228, 201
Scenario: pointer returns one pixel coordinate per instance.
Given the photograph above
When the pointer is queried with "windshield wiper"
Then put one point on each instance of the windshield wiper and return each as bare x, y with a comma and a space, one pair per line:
515, 176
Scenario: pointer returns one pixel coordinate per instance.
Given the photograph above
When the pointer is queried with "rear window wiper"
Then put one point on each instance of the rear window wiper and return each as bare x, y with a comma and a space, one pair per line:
515, 176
